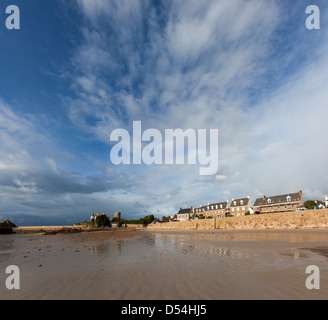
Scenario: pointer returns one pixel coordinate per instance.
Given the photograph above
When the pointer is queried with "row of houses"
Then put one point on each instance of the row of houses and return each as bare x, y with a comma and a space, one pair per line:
239, 207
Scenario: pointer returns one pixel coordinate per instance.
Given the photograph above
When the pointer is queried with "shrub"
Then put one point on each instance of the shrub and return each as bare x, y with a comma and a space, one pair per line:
102, 221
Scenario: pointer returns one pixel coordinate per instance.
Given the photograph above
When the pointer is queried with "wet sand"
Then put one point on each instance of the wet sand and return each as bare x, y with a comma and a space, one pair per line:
175, 265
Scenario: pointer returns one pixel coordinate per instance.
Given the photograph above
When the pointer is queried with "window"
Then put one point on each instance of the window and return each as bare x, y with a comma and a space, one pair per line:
269, 200
288, 198
212, 207
216, 206
234, 203
232, 209
241, 202
237, 209
221, 206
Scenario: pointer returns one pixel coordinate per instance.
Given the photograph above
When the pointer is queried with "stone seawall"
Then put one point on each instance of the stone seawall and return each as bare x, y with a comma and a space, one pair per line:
284, 220
44, 229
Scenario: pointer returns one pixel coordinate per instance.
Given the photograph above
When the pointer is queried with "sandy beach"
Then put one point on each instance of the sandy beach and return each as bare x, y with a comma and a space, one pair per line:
176, 265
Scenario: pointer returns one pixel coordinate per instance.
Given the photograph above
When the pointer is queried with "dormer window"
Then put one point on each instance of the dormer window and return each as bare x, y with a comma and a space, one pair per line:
269, 200
216, 206
234, 203
212, 207
221, 206
241, 202
288, 198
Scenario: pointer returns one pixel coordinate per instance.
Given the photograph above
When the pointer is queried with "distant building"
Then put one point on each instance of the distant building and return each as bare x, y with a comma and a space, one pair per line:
94, 216
214, 210
117, 215
238, 207
184, 214
281, 203
326, 200
217, 210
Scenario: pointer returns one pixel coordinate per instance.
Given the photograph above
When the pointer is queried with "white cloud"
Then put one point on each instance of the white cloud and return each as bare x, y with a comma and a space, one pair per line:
220, 177
52, 163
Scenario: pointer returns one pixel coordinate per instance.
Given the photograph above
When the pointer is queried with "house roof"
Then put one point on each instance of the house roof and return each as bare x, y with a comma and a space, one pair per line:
216, 206
239, 202
185, 210
294, 197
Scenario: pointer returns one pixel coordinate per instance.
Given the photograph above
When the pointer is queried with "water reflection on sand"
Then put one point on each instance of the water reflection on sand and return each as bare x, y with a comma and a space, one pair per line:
152, 245
205, 245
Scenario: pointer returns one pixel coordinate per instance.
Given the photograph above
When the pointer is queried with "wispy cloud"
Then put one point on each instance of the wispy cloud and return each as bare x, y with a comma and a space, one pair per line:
219, 64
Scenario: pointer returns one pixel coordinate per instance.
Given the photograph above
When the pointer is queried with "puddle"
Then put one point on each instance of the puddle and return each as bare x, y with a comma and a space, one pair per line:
296, 253
323, 251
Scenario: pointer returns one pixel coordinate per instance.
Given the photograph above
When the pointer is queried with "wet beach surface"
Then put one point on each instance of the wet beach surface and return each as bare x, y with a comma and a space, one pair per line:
141, 265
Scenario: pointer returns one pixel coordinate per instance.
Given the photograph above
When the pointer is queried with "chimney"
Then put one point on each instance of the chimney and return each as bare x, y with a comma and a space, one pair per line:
301, 196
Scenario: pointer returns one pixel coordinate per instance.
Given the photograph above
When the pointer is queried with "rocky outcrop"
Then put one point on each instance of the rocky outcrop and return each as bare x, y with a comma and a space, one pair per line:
6, 226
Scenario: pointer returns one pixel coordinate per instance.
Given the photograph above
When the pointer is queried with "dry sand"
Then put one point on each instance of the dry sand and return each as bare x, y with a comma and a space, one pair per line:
189, 264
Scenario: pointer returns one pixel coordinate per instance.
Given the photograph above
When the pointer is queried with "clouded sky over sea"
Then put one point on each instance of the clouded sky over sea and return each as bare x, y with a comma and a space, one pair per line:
76, 70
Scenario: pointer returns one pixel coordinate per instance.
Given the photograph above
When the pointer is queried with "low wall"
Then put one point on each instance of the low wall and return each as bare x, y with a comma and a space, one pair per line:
134, 226
192, 224
37, 228
284, 220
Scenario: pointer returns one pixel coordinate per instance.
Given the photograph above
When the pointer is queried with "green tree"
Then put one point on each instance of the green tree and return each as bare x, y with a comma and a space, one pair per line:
148, 219
310, 204
102, 221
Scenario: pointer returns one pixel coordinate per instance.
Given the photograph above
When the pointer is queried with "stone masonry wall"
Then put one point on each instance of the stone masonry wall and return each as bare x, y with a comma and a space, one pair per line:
284, 220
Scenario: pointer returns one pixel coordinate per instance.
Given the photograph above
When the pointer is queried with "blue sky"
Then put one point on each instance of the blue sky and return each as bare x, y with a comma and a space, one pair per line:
77, 70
